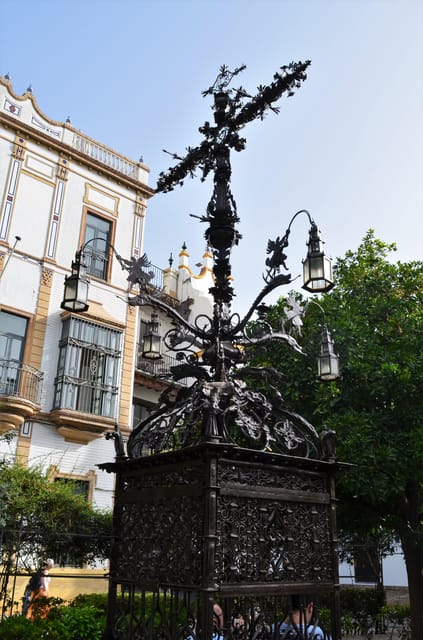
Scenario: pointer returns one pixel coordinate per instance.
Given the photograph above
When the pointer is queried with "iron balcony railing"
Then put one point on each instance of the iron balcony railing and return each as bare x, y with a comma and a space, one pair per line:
79, 394
157, 280
20, 380
159, 368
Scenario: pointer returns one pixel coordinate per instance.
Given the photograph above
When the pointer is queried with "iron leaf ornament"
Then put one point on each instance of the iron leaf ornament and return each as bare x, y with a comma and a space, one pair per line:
234, 108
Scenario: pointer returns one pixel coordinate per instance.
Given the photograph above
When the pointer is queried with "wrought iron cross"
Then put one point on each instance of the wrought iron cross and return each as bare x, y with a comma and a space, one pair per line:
233, 109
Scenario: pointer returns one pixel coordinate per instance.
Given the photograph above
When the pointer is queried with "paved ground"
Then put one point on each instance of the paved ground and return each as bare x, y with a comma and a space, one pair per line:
378, 636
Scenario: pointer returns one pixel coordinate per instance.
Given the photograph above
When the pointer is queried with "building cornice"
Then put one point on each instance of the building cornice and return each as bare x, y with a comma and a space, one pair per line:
66, 150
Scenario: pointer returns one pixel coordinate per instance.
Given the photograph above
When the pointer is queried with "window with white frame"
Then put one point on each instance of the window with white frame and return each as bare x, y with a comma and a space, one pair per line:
98, 232
88, 368
13, 330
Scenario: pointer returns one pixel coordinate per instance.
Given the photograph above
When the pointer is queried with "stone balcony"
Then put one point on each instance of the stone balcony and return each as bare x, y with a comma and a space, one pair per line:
20, 393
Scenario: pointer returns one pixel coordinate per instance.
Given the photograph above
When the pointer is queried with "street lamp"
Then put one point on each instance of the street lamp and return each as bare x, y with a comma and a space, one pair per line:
75, 297
220, 475
317, 267
76, 286
152, 340
327, 361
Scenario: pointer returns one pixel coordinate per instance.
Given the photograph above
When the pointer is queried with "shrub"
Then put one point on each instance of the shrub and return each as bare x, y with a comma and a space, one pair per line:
360, 610
20, 628
363, 600
57, 620
96, 600
397, 620
77, 623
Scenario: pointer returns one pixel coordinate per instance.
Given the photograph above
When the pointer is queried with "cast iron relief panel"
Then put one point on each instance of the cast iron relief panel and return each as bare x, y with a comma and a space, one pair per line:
273, 526
161, 528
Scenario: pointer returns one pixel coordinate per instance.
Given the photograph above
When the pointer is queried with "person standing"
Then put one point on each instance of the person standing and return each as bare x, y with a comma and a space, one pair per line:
37, 588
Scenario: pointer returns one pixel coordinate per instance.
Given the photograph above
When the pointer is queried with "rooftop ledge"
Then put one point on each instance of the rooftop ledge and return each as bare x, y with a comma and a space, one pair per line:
25, 109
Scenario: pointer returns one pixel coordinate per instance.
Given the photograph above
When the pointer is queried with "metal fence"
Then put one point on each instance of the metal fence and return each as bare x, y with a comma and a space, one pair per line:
160, 367
21, 556
65, 584
20, 380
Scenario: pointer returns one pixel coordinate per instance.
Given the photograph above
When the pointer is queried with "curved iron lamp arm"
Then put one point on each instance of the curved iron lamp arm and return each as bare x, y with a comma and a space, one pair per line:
316, 304
277, 281
135, 266
147, 300
108, 245
273, 278
276, 248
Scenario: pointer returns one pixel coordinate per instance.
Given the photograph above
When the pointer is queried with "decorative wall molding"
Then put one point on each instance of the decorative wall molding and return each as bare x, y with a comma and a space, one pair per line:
46, 277
12, 108
62, 176
12, 185
101, 199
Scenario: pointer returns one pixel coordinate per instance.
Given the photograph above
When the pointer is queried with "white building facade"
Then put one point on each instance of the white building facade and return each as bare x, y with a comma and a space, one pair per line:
65, 378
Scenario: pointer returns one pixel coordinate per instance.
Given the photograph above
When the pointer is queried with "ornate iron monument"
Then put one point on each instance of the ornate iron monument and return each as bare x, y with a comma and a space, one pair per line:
224, 495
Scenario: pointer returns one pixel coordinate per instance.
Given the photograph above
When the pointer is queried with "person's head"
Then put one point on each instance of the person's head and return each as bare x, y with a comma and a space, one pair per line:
48, 564
302, 608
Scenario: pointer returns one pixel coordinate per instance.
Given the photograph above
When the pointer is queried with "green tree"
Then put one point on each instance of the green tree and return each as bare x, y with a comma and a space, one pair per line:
40, 519
375, 314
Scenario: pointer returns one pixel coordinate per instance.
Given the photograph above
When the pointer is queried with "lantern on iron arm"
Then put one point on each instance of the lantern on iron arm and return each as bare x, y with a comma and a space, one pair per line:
75, 296
152, 339
327, 359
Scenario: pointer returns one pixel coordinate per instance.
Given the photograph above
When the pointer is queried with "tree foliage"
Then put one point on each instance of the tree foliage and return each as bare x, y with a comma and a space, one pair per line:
47, 519
40, 519
375, 315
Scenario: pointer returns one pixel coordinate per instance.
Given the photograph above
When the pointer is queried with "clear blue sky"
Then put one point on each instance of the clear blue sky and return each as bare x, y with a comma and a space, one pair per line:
348, 146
